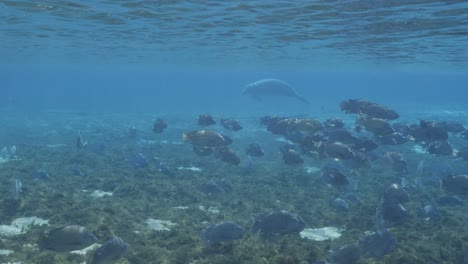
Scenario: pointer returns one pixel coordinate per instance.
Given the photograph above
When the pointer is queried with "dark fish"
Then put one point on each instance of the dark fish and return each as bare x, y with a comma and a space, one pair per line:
227, 155
440, 147
137, 161
339, 204
429, 212
450, 200
112, 250
277, 223
74, 170
391, 214
231, 124
451, 126
377, 126
290, 155
456, 183
396, 160
221, 233
431, 131
347, 254
334, 176
205, 120
66, 238
41, 175
216, 187
379, 244
206, 138
271, 87
395, 194
80, 143
132, 132
392, 139
202, 151
338, 150
159, 126
254, 150
338, 135
361, 106
335, 123
162, 167
463, 153
365, 144
302, 125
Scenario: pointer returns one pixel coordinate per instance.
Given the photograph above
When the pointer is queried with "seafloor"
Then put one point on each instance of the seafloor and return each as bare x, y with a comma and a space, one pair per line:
47, 142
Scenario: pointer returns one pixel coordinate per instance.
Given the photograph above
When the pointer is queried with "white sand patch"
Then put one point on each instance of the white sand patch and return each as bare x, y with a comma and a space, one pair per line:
6, 252
310, 170
212, 210
100, 194
321, 234
190, 168
53, 146
180, 207
84, 251
159, 225
21, 226
418, 149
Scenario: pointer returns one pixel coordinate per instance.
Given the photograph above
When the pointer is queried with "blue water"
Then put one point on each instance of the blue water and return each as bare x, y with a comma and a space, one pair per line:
102, 66
200, 54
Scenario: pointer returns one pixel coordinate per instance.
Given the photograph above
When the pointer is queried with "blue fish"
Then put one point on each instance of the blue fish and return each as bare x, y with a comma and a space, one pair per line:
379, 244
221, 233
137, 161
112, 250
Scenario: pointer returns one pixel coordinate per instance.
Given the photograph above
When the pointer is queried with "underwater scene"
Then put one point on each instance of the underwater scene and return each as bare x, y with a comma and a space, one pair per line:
199, 132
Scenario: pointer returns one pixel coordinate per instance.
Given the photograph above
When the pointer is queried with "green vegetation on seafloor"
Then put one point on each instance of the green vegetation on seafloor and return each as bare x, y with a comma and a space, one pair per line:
139, 194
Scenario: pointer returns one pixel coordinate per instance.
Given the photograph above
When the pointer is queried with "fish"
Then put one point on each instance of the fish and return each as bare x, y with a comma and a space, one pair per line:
334, 176
456, 183
271, 87
290, 155
440, 148
205, 120
137, 161
377, 126
335, 123
395, 194
206, 138
132, 132
159, 126
66, 238
231, 124
379, 244
346, 254
227, 155
112, 250
254, 150
395, 138
221, 233
339, 204
277, 223
450, 200
373, 110
338, 150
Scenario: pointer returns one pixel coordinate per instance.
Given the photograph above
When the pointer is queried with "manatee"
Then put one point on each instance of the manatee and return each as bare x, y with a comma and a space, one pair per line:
271, 87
